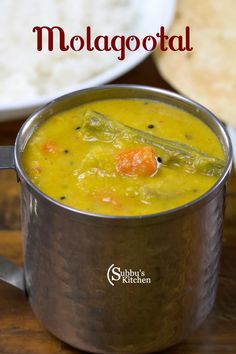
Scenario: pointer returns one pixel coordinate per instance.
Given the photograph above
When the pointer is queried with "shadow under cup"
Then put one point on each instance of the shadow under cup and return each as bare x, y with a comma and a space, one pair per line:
74, 260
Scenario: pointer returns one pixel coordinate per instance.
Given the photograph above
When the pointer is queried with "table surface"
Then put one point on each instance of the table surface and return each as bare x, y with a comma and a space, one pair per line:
21, 333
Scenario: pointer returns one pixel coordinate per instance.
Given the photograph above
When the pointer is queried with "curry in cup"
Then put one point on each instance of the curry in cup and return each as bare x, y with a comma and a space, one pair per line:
124, 157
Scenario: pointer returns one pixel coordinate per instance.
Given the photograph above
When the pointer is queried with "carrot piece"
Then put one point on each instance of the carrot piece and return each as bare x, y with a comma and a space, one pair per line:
49, 147
139, 161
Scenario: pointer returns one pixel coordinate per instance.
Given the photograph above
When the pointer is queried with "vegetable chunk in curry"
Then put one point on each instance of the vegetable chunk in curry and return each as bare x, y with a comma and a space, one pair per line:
123, 157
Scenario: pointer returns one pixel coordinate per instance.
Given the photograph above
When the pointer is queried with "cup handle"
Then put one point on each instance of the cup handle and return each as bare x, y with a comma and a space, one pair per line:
9, 272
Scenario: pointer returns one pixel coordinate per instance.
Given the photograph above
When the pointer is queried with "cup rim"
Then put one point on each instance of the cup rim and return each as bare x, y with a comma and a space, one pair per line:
163, 214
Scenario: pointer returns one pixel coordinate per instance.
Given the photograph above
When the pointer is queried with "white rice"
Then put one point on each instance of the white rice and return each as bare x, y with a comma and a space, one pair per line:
27, 74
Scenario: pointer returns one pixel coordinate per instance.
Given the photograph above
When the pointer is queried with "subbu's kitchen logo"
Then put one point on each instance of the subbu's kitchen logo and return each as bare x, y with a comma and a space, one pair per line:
126, 276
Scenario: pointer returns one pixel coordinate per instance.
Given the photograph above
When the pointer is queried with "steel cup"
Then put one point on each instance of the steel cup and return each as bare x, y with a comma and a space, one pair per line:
111, 284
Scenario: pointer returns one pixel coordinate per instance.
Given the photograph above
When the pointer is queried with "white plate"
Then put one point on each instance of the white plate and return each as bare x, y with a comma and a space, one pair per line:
156, 13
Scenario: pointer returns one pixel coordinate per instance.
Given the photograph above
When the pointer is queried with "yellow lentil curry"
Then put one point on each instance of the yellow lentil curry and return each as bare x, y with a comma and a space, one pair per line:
123, 157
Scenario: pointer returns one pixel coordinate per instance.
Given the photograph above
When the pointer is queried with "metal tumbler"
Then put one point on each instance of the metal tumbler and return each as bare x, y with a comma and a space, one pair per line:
110, 284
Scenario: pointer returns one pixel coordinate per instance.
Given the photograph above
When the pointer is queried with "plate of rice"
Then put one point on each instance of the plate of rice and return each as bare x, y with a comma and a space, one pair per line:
30, 78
